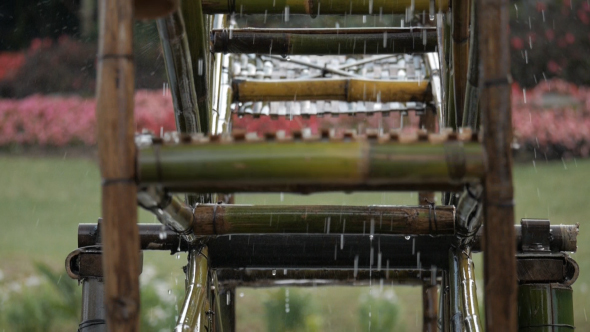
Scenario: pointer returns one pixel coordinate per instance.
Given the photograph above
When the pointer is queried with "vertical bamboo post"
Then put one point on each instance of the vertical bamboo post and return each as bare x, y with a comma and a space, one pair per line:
430, 307
460, 12
499, 253
116, 151
427, 122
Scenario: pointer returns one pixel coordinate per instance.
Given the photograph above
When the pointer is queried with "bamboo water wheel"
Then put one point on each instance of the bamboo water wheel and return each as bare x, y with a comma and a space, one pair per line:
444, 62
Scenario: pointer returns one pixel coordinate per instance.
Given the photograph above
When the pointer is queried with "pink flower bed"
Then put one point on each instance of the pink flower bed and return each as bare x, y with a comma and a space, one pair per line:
60, 121
563, 130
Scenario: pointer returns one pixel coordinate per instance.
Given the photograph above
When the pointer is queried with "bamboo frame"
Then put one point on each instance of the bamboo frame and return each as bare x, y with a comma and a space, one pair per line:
499, 259
116, 152
152, 9
313, 7
323, 41
429, 306
310, 166
194, 313
180, 74
460, 33
545, 307
349, 90
195, 30
469, 303
471, 105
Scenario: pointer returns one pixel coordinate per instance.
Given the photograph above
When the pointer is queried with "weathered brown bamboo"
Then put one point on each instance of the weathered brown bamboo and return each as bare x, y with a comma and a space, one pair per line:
309, 166
429, 306
331, 89
322, 219
116, 152
151, 9
471, 104
324, 41
313, 7
194, 312
323, 277
499, 258
460, 12
153, 237
177, 58
196, 34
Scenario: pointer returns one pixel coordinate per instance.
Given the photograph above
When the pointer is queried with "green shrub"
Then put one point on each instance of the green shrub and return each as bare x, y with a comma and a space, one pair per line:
379, 312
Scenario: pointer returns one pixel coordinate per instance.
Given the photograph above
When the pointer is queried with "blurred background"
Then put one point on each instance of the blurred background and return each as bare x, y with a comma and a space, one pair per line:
49, 177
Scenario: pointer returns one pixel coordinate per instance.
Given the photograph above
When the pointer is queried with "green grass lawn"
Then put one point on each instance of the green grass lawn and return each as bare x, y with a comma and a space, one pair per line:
43, 199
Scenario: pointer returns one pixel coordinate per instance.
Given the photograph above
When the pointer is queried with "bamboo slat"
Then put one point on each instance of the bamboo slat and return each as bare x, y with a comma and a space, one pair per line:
323, 219
310, 166
460, 12
350, 90
116, 152
324, 41
315, 8
500, 287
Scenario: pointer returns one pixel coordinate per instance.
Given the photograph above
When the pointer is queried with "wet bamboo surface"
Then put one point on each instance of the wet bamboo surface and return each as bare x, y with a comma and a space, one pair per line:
429, 306
116, 151
321, 277
500, 286
151, 9
358, 252
324, 41
195, 30
315, 8
350, 90
460, 12
193, 315
307, 166
469, 303
563, 238
179, 70
323, 219
545, 307
471, 116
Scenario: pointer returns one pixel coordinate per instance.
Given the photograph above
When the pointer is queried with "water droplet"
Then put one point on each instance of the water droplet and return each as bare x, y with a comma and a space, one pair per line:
169, 292
177, 256
407, 237
274, 272
241, 294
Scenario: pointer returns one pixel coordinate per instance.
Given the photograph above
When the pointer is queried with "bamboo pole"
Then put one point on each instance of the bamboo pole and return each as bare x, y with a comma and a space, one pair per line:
193, 315
116, 151
350, 90
322, 219
180, 74
196, 34
499, 258
545, 307
324, 41
460, 12
314, 7
430, 307
428, 123
455, 305
471, 103
469, 303
309, 166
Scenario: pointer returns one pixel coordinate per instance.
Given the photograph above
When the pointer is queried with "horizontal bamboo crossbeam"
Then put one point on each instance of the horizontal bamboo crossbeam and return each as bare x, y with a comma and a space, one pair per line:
315, 7
350, 90
324, 41
155, 237
322, 277
323, 219
324, 251
307, 165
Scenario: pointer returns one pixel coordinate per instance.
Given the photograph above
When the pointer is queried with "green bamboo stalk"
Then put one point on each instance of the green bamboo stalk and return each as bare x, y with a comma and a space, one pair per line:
193, 315
311, 165
316, 7
179, 69
196, 33
324, 41
331, 89
471, 107
460, 12
470, 306
321, 219
545, 307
